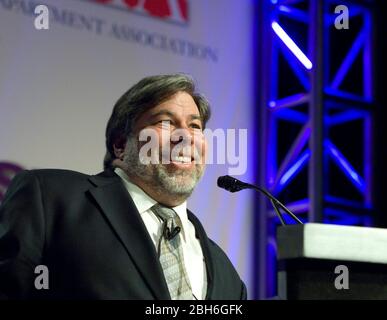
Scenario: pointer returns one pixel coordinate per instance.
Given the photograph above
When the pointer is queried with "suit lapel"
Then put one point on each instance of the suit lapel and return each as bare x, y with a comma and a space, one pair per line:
204, 243
122, 214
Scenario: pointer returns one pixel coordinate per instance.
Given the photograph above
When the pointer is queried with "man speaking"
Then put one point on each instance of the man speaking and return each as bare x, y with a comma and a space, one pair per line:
125, 233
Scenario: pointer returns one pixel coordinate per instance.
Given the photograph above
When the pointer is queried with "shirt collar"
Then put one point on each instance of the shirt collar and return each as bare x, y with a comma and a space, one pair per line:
144, 202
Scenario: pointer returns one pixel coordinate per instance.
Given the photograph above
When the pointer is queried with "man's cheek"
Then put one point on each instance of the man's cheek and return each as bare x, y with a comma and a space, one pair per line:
202, 148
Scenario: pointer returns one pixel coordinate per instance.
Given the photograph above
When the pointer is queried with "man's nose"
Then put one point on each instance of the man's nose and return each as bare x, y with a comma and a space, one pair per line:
180, 135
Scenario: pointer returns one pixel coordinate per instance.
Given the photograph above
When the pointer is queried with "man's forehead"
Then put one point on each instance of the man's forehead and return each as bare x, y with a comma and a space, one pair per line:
168, 112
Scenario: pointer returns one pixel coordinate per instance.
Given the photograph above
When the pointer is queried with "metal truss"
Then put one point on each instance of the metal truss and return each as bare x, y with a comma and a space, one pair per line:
315, 120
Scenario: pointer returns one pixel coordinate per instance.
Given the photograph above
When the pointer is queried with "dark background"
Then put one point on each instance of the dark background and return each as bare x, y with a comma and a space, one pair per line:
381, 115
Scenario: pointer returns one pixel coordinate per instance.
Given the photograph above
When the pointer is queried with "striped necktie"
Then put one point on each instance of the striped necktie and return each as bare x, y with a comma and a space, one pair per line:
171, 255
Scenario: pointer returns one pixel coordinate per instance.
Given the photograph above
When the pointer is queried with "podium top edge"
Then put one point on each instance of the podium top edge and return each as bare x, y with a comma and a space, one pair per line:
332, 242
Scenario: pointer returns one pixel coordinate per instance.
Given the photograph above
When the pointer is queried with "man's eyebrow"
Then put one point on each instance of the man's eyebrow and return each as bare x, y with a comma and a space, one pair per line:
162, 112
195, 117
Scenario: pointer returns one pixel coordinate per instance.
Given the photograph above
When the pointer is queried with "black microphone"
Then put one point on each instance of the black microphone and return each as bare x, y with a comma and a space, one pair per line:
231, 184
169, 235
234, 185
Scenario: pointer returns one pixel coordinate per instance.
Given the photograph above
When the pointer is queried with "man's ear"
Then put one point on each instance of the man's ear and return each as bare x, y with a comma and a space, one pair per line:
119, 148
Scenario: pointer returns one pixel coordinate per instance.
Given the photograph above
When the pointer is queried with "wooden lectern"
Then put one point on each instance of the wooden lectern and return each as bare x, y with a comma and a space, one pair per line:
309, 255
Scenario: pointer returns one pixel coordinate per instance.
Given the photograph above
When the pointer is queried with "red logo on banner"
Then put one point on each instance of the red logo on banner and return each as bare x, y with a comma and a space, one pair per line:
170, 10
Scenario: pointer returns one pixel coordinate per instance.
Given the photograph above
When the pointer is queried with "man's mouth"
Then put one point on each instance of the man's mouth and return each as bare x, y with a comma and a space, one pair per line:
181, 160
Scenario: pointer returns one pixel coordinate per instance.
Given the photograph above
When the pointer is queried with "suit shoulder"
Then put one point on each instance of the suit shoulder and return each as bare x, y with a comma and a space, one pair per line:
58, 173
52, 174
49, 177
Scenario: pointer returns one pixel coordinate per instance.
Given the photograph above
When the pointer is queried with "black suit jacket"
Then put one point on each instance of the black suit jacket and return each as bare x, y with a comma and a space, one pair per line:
89, 234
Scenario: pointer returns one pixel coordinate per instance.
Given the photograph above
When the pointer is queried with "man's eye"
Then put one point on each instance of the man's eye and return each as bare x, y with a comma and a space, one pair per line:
166, 122
196, 126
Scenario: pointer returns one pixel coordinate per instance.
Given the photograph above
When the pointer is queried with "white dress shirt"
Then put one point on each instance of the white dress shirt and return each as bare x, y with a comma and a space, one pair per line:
192, 251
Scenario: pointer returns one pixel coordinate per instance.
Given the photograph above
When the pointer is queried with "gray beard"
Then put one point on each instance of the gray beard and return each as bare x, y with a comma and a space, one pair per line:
177, 183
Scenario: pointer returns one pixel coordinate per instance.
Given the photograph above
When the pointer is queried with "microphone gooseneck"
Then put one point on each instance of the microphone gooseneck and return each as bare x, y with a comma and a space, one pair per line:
234, 185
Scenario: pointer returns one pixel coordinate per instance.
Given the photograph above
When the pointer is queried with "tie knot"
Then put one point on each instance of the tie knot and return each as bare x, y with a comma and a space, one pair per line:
164, 213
